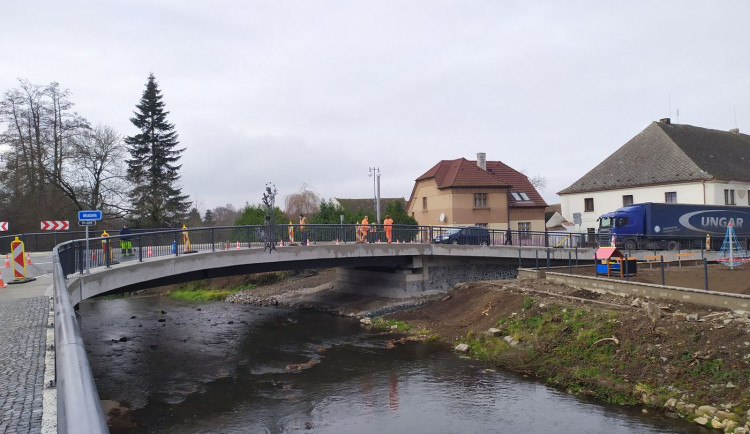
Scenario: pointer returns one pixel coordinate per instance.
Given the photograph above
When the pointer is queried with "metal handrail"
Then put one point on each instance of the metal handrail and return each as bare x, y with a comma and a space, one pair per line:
163, 242
78, 406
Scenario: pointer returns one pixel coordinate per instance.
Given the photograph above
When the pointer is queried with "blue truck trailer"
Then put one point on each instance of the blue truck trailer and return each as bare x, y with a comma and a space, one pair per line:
672, 226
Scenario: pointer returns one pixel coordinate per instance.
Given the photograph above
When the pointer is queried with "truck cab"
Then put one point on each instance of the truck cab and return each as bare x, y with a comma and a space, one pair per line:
625, 223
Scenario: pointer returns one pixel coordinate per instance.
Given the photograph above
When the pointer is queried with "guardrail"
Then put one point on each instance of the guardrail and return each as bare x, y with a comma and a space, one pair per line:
78, 407
76, 256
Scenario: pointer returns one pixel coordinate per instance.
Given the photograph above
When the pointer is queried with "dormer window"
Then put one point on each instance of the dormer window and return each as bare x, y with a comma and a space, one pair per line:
520, 196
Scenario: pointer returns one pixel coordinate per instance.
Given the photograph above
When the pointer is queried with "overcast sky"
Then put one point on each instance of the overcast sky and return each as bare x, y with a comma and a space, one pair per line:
317, 92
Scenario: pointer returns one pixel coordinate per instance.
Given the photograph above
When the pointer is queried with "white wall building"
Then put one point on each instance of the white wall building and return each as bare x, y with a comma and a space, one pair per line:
664, 163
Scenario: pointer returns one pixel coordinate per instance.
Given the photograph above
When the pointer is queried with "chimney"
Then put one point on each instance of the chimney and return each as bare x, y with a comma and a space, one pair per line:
735, 130
482, 160
665, 120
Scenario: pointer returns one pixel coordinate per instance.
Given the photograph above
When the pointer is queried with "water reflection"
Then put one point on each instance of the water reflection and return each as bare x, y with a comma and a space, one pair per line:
236, 369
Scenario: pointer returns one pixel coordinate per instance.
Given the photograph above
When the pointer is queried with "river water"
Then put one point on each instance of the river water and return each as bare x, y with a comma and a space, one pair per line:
221, 368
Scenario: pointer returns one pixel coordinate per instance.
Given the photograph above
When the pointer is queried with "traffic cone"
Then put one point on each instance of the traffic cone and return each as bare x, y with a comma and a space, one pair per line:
238, 245
2, 282
7, 261
149, 253
337, 243
28, 258
281, 242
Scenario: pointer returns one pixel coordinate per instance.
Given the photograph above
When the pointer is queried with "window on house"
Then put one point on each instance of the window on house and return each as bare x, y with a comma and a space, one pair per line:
670, 197
524, 226
424, 204
729, 197
520, 196
480, 200
481, 225
588, 204
627, 200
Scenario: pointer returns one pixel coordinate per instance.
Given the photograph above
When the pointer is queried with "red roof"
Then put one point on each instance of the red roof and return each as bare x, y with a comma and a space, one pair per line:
519, 183
461, 173
466, 173
608, 252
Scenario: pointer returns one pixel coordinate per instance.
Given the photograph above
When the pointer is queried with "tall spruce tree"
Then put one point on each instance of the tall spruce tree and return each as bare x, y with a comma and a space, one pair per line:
156, 199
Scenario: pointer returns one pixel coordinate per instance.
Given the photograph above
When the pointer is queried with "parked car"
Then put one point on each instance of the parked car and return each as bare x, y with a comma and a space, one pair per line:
465, 235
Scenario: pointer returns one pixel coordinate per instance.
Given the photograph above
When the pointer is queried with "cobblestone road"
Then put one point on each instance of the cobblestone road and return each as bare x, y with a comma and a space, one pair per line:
23, 328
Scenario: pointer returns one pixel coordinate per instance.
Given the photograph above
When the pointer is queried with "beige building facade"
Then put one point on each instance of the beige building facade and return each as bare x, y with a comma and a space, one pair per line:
473, 193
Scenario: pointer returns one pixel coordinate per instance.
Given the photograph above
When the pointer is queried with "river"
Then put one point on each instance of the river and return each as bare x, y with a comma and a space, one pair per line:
185, 367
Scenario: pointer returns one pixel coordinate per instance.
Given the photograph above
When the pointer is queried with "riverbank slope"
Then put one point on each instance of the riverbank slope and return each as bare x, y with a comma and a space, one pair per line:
688, 360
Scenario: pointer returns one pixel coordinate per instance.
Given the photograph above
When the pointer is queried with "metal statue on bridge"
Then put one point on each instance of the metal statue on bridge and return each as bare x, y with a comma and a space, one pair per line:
269, 234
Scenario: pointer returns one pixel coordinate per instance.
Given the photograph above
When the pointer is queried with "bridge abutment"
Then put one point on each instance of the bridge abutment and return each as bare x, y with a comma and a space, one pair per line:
426, 275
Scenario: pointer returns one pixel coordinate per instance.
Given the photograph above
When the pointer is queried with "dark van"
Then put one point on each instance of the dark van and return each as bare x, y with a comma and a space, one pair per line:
466, 235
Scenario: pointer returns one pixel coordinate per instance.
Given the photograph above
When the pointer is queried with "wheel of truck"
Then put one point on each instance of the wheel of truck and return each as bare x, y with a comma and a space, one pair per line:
629, 245
673, 246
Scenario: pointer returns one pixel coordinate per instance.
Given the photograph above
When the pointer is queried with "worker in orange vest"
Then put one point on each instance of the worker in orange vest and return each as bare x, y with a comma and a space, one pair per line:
388, 226
365, 229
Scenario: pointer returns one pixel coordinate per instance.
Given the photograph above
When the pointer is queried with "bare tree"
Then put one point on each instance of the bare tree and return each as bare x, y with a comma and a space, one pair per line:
305, 201
40, 126
97, 172
538, 181
225, 215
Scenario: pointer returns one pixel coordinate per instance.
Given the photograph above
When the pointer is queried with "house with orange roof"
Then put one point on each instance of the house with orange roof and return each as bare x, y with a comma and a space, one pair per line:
484, 193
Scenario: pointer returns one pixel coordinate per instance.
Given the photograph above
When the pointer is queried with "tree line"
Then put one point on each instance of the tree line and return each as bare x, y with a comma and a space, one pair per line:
56, 163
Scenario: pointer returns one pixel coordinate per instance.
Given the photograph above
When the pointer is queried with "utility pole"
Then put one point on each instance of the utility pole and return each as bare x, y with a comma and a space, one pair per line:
376, 190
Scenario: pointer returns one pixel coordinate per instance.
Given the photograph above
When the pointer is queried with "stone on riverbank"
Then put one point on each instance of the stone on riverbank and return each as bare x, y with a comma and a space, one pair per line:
705, 410
493, 332
462, 348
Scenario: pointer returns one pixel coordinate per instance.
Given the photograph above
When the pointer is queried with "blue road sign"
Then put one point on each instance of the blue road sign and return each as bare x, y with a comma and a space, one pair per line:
90, 215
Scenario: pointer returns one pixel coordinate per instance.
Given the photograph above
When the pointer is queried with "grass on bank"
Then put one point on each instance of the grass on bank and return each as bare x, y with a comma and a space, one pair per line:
201, 291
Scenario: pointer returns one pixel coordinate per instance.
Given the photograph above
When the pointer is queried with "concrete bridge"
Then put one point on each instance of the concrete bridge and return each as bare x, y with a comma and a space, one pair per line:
391, 270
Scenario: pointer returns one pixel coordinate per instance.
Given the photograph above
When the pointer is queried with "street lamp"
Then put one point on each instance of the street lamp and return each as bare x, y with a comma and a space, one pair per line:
376, 190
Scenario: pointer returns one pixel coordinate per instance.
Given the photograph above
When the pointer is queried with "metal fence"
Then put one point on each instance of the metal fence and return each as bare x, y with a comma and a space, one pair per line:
77, 256
665, 242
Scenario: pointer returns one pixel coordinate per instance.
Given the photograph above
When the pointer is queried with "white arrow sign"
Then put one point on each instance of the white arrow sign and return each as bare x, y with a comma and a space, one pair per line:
3, 226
